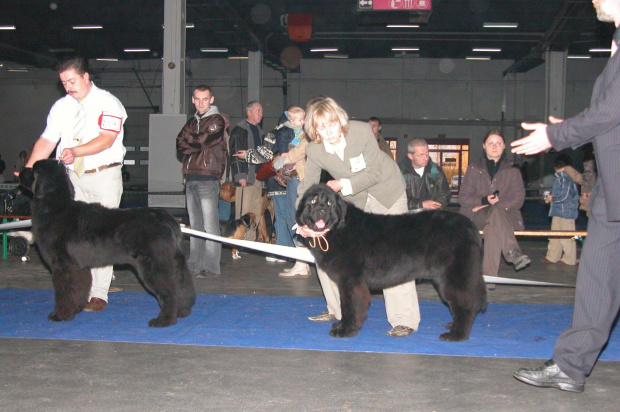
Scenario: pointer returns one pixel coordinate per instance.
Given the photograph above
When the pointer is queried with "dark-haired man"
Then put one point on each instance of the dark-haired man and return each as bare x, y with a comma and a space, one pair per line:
203, 144
86, 128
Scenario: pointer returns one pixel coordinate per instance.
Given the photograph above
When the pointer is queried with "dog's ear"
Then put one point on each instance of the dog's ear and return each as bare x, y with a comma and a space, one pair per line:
26, 177
341, 209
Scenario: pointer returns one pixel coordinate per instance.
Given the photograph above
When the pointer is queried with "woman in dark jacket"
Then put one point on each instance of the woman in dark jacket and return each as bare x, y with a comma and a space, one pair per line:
491, 195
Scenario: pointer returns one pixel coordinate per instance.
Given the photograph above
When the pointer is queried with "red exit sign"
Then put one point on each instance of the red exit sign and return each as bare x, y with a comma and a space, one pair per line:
395, 5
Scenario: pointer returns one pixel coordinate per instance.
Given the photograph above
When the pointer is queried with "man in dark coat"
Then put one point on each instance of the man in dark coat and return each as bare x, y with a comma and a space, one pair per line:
597, 295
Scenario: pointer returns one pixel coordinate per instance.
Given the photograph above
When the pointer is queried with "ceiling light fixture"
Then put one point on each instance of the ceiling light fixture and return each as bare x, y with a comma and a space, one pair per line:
402, 26
187, 26
214, 50
87, 27
107, 59
325, 49
238, 57
136, 50
61, 50
600, 50
17, 69
336, 56
7, 27
486, 49
477, 58
575, 56
500, 25
405, 49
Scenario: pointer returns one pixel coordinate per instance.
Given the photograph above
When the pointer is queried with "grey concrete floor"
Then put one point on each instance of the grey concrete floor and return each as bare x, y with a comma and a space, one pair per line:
56, 375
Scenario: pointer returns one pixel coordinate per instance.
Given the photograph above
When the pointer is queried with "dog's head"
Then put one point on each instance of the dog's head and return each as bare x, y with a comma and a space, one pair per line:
50, 176
249, 220
321, 208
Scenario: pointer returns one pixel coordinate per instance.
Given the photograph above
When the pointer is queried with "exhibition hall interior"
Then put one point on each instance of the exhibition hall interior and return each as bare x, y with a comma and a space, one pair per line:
446, 71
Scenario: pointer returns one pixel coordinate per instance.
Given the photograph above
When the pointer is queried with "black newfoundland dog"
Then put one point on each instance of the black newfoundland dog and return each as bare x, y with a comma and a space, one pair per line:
73, 237
364, 251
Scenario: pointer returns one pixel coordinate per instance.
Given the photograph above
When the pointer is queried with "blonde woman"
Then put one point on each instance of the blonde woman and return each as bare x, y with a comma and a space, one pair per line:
368, 178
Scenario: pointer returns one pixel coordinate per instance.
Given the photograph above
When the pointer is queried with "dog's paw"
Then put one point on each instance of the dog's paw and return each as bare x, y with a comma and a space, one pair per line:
449, 325
55, 317
452, 337
340, 330
160, 322
236, 255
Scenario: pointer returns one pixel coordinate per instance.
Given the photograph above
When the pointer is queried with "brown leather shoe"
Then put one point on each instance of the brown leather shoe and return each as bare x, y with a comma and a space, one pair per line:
95, 305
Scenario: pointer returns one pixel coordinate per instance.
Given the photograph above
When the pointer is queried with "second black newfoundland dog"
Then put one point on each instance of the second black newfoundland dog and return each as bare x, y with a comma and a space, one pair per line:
364, 251
73, 237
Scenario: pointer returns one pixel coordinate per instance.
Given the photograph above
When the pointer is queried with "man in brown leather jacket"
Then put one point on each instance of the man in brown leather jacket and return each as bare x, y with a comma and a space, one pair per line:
203, 144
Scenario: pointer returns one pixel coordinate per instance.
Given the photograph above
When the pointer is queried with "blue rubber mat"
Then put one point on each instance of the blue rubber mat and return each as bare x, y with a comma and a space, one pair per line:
504, 331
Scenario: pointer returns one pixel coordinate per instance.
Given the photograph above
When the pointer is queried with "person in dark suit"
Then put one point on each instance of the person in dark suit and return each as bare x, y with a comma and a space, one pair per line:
597, 295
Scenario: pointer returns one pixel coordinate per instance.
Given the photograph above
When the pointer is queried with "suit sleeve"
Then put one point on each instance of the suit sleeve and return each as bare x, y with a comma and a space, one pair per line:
596, 120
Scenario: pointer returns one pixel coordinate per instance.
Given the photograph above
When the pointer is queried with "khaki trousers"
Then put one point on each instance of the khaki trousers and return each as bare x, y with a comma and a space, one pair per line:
401, 302
248, 200
563, 249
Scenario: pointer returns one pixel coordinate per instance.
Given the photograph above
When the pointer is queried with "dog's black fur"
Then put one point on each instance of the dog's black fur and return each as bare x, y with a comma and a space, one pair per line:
72, 237
380, 251
237, 229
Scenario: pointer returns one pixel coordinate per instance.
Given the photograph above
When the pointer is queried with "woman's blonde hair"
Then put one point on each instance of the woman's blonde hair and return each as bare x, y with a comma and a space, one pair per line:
324, 110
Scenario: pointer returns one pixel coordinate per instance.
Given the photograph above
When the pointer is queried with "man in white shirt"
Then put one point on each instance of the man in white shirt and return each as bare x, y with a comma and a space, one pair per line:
86, 128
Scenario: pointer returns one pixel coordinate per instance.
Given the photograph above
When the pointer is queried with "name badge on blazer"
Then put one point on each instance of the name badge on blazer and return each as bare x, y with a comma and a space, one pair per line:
357, 163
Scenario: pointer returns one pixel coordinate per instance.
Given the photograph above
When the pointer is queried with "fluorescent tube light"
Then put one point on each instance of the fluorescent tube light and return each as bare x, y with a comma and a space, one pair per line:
477, 58
136, 50
87, 27
486, 49
325, 49
405, 49
214, 50
402, 26
500, 25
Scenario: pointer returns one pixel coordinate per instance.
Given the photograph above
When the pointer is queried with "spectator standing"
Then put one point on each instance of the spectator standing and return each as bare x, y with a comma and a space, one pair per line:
202, 141
86, 128
564, 201
375, 125
246, 135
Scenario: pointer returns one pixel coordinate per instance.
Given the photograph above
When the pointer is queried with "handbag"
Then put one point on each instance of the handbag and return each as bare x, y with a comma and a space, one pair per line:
266, 170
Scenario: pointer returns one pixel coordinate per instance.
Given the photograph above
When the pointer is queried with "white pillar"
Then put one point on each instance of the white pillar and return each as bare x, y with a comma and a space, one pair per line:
255, 75
165, 175
555, 84
173, 78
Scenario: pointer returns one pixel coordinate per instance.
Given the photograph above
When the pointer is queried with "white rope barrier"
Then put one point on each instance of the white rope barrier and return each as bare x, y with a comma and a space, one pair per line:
302, 254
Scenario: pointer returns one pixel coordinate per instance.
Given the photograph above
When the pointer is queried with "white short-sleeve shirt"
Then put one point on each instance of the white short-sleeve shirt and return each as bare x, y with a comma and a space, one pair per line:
103, 112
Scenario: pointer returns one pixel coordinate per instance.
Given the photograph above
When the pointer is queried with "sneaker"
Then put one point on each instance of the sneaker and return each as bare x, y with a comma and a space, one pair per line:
400, 330
274, 259
300, 270
203, 274
519, 260
323, 317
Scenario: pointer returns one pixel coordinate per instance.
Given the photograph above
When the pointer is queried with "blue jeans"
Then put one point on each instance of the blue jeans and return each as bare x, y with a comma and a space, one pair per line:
283, 234
224, 209
202, 201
